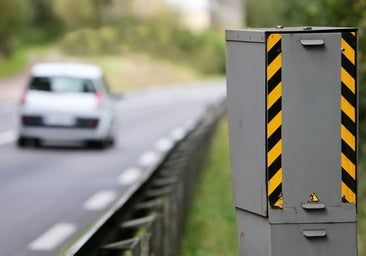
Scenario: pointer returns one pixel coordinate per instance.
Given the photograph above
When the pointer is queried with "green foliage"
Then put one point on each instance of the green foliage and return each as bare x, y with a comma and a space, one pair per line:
91, 41
322, 12
12, 15
26, 22
13, 64
209, 53
90, 27
268, 13
263, 13
44, 25
77, 14
160, 36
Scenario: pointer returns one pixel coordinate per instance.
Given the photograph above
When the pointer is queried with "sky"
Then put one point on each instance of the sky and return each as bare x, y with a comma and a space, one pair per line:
190, 5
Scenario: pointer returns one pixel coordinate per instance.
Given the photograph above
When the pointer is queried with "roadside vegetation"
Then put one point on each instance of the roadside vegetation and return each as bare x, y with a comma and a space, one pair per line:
109, 34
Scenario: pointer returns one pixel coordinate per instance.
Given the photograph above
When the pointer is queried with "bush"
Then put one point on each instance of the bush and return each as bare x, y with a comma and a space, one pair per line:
77, 14
160, 36
209, 53
13, 16
91, 41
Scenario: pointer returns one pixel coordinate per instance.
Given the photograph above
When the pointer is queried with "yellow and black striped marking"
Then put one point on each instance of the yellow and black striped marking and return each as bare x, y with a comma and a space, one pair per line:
349, 117
274, 120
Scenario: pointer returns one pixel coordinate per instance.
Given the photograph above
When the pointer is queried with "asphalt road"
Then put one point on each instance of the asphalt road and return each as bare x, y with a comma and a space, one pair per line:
50, 196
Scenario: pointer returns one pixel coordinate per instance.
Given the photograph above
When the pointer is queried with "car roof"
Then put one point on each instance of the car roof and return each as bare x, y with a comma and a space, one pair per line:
78, 70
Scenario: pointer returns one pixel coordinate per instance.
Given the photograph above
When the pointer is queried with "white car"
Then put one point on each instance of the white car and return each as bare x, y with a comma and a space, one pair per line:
66, 102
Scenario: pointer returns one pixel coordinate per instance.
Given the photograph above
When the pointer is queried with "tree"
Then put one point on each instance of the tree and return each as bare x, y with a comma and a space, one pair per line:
12, 16
78, 14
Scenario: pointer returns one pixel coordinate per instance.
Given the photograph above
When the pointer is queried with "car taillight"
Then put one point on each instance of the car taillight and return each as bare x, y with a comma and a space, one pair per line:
26, 120
32, 121
92, 123
99, 97
87, 122
23, 98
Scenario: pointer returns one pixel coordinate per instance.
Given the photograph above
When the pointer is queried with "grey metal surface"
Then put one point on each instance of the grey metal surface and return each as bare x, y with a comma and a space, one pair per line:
258, 34
248, 36
253, 234
340, 239
311, 144
310, 127
347, 213
258, 237
246, 108
311, 130
311, 120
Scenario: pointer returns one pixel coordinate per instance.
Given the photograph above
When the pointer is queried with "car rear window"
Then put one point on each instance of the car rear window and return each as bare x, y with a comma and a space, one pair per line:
62, 84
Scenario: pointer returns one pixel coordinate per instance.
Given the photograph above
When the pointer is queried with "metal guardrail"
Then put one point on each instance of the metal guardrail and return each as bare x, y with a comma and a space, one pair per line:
150, 220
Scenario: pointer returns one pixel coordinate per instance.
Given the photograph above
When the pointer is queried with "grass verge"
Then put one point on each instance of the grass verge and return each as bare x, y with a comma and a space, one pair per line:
14, 63
211, 226
138, 70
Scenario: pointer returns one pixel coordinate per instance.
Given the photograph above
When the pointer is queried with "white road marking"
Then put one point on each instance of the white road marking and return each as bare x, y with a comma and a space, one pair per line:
129, 176
100, 200
53, 237
178, 133
148, 158
164, 145
7, 137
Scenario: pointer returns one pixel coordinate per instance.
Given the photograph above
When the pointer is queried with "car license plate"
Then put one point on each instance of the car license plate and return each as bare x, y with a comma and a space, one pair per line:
59, 119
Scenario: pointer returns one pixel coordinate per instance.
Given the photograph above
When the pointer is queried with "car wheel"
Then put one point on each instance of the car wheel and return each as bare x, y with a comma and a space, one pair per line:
37, 143
22, 142
96, 144
111, 142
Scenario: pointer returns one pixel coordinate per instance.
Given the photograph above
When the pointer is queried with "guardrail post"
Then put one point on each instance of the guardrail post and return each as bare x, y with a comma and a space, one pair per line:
118, 248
